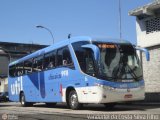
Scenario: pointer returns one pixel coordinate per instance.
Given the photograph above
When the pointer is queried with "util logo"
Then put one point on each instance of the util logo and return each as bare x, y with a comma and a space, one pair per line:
17, 86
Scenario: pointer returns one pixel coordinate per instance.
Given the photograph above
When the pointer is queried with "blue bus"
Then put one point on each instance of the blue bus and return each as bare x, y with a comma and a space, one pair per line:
76, 71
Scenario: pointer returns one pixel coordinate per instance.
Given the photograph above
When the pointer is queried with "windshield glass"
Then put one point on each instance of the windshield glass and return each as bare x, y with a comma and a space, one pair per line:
119, 62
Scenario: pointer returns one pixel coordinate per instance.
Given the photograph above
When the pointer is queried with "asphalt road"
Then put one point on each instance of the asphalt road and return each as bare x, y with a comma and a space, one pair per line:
40, 111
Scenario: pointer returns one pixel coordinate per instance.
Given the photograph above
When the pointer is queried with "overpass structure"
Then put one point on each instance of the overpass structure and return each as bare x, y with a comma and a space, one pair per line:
10, 52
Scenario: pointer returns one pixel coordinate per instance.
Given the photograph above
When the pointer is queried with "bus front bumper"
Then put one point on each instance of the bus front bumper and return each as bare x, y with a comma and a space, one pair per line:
104, 94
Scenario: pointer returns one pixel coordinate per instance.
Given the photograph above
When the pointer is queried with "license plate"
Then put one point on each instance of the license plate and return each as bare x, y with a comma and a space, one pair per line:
128, 96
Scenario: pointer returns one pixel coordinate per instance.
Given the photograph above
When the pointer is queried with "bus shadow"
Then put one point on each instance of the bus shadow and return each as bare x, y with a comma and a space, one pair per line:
60, 106
114, 109
6, 104
123, 107
93, 107
100, 107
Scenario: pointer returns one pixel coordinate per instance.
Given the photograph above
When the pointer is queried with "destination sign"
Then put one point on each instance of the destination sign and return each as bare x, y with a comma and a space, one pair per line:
104, 46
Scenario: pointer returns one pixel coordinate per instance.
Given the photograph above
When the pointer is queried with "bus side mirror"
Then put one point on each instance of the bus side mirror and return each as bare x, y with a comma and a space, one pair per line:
95, 49
146, 52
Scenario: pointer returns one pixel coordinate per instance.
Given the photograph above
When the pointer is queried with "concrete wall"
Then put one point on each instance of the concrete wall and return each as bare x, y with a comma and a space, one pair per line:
144, 39
151, 70
4, 60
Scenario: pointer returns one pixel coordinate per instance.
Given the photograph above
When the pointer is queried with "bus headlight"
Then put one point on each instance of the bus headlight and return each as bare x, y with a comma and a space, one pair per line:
105, 87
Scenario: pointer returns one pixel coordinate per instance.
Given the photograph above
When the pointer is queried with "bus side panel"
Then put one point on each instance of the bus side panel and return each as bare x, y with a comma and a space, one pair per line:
57, 80
14, 87
52, 80
31, 87
42, 84
36, 87
76, 80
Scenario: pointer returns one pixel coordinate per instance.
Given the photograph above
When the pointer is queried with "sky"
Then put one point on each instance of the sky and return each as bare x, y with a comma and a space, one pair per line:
95, 18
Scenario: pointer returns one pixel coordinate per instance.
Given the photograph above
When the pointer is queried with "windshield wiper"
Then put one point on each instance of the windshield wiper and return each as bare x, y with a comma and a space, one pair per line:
118, 72
133, 74
121, 70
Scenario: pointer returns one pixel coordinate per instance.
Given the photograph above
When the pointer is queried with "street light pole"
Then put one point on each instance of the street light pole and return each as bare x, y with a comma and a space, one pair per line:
39, 26
120, 27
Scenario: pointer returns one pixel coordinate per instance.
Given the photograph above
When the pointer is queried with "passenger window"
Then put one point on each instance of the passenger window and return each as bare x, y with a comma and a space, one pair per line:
64, 57
38, 64
50, 60
85, 57
60, 57
89, 60
19, 69
12, 70
28, 66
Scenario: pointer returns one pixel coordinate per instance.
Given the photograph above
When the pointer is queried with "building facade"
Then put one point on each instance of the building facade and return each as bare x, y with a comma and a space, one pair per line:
3, 84
10, 52
148, 36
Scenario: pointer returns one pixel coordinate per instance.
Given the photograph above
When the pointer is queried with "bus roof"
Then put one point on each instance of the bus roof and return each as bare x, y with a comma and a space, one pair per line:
64, 43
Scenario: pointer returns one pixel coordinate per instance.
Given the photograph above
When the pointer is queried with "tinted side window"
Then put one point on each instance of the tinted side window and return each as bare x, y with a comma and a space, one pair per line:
19, 69
67, 60
89, 60
50, 60
12, 70
64, 57
60, 57
85, 57
79, 51
28, 66
38, 64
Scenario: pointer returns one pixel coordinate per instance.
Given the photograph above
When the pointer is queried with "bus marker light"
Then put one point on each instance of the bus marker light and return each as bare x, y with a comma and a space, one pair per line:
61, 92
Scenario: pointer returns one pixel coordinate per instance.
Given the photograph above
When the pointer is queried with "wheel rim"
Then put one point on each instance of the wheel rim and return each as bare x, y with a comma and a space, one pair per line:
73, 99
22, 100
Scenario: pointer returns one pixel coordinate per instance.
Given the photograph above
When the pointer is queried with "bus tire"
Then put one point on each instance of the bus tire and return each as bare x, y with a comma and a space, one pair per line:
23, 101
73, 101
109, 106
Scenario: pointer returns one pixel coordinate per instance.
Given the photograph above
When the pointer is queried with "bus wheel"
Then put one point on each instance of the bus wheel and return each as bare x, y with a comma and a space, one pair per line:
23, 101
109, 106
51, 104
73, 101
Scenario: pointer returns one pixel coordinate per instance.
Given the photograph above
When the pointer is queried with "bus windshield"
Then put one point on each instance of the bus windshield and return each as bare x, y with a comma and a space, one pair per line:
119, 62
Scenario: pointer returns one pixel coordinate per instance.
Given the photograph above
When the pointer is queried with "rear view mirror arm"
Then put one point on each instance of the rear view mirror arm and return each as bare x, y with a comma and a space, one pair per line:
145, 51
